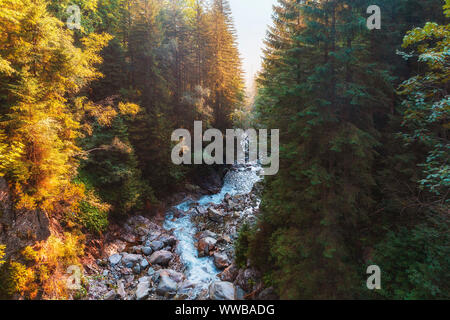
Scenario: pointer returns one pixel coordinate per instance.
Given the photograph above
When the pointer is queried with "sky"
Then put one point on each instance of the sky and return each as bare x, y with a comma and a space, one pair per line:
251, 18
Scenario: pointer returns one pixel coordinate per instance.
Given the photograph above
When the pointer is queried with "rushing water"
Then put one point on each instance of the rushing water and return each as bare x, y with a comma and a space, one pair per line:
202, 271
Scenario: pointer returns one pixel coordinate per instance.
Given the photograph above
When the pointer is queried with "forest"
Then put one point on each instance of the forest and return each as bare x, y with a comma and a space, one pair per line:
87, 114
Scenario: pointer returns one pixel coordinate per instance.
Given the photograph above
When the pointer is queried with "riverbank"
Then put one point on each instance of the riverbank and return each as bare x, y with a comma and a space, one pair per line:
189, 254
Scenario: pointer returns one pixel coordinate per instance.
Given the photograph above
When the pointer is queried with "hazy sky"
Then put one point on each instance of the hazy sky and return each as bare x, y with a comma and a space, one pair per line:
251, 18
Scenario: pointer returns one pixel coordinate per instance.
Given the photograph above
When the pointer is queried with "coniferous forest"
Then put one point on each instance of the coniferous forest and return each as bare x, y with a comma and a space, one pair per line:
87, 181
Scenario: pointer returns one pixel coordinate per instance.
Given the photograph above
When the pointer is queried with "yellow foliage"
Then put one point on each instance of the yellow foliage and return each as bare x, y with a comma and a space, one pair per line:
49, 261
40, 66
2, 254
130, 109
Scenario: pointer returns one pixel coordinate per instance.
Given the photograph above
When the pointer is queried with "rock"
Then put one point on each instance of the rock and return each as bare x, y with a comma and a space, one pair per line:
137, 269
20, 228
147, 251
221, 260
247, 278
126, 271
128, 237
157, 245
221, 290
161, 257
229, 274
114, 259
166, 286
111, 295
240, 294
151, 271
114, 247
169, 241
207, 234
143, 290
136, 249
268, 294
121, 289
186, 287
144, 263
144, 279
172, 274
205, 245
132, 259
215, 215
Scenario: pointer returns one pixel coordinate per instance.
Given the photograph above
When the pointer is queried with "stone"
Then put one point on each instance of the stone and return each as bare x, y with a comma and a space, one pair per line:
169, 241
144, 263
215, 215
161, 257
128, 237
221, 290
157, 245
240, 293
172, 274
136, 249
128, 258
207, 234
151, 272
166, 286
143, 290
229, 274
137, 269
147, 251
121, 290
186, 287
205, 245
126, 271
114, 259
221, 260
110, 295
247, 278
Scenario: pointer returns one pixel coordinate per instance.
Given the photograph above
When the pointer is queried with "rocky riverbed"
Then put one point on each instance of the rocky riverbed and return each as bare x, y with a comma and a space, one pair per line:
189, 255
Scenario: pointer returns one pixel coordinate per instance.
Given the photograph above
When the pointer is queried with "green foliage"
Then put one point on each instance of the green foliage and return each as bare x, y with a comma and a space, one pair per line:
92, 218
242, 246
328, 85
415, 262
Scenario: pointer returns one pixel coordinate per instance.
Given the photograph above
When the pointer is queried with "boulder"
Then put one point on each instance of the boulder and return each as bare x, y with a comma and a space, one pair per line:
172, 274
128, 258
110, 295
161, 257
147, 251
114, 259
166, 286
207, 234
128, 237
137, 269
221, 290
121, 290
143, 290
186, 287
229, 274
168, 240
221, 260
157, 245
144, 263
205, 245
247, 278
215, 215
